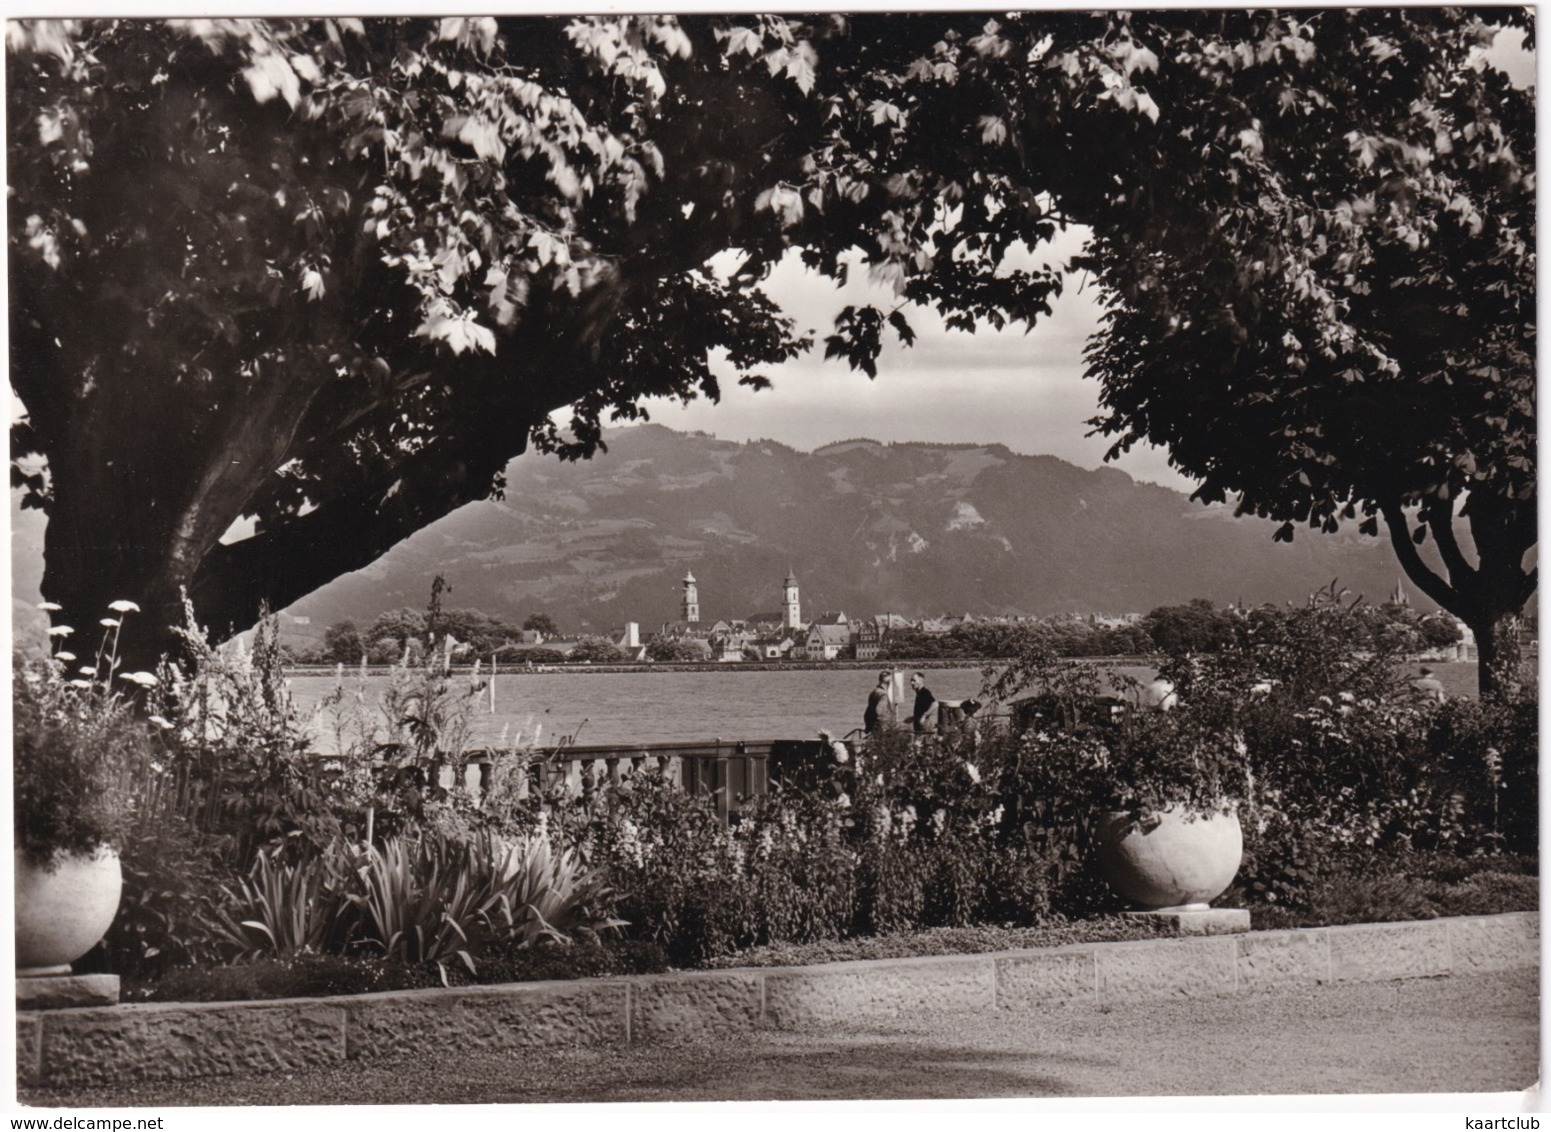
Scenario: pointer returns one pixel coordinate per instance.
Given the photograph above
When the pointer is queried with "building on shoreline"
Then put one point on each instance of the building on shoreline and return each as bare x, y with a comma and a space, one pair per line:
691, 603
791, 604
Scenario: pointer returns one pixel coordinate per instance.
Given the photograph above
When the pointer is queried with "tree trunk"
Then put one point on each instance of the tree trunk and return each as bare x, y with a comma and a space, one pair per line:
227, 584
107, 539
136, 509
1488, 596
102, 546
133, 525
1500, 656
345, 533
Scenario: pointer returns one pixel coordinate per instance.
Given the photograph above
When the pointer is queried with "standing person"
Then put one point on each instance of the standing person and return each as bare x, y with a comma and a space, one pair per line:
876, 701
924, 705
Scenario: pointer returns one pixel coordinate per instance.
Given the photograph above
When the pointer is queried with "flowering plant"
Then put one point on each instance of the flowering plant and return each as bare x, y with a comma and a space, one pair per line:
1083, 749
75, 742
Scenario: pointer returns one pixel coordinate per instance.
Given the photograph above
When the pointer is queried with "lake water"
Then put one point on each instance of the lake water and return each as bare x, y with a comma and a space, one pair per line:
661, 707
664, 707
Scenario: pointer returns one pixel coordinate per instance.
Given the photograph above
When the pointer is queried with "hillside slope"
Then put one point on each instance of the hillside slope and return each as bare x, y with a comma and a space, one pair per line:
868, 528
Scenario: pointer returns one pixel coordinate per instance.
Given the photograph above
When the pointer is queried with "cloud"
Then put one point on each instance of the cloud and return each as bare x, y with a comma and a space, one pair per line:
1023, 390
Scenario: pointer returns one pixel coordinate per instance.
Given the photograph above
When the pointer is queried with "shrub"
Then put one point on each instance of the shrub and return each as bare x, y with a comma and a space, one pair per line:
1489, 754
1304, 719
836, 852
890, 887
240, 752
676, 870
1094, 752
799, 873
1375, 886
415, 902
432, 898
531, 892
426, 899
169, 912
288, 908
73, 745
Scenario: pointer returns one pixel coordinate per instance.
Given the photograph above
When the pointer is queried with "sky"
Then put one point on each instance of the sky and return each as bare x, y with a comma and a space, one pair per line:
1024, 390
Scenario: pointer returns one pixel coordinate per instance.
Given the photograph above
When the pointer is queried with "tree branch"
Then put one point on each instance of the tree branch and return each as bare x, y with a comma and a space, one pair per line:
1439, 517
1411, 562
344, 533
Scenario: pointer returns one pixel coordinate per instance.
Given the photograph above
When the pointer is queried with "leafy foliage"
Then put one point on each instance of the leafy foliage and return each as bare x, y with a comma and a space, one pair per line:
287, 908
447, 229
433, 898
1340, 327
169, 912
1368, 886
1490, 751
671, 649
342, 643
75, 743
538, 655
1196, 627
673, 864
595, 650
546, 893
540, 623
1303, 721
839, 853
412, 192
240, 752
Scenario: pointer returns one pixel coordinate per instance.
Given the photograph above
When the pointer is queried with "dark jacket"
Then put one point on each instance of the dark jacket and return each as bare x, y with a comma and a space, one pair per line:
924, 702
875, 704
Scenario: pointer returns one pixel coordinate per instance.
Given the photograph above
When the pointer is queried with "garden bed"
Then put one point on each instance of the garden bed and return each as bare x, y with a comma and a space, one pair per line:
1410, 886
313, 976
1391, 888
253, 872
974, 940
318, 976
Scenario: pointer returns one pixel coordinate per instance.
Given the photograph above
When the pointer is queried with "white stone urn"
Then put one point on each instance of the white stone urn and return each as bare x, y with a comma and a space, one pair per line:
1174, 860
61, 912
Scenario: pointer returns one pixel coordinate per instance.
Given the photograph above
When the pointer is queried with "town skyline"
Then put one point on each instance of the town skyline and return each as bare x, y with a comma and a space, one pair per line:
702, 635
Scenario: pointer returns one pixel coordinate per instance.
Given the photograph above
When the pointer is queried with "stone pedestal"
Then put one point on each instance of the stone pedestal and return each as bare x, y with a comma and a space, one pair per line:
58, 992
1199, 921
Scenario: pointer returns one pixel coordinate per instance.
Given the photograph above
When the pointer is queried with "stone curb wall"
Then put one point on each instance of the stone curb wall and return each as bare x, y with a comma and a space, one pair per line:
150, 1042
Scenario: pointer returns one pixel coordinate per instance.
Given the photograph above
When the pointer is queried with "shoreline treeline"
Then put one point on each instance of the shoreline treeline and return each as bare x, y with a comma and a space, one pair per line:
1195, 626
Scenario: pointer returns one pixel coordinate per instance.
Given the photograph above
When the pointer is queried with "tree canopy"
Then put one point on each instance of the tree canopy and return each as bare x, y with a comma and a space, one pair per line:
330, 275
1344, 327
1197, 626
541, 623
671, 649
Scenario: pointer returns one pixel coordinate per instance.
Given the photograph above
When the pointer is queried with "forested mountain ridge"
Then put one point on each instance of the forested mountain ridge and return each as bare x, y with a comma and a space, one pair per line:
912, 528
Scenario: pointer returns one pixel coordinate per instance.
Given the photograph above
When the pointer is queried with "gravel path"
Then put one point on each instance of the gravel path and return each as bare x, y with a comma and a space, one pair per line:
1465, 1034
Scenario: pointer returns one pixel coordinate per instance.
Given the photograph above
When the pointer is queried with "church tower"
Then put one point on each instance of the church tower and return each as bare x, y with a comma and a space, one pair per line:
791, 610
691, 599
